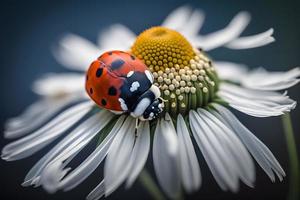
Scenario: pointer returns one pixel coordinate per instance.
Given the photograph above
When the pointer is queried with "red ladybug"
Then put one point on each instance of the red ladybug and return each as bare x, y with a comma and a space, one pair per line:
120, 82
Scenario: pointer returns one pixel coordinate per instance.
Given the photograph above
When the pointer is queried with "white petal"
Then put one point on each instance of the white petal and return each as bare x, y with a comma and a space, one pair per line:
259, 151
36, 115
256, 102
190, 170
116, 37
30, 144
252, 41
49, 177
97, 192
177, 18
82, 134
165, 157
75, 52
221, 37
192, 26
117, 164
217, 159
60, 84
139, 153
231, 71
261, 79
54, 173
239, 164
244, 164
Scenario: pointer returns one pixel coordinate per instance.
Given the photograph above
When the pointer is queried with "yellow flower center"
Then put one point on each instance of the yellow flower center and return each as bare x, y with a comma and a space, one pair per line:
185, 75
161, 47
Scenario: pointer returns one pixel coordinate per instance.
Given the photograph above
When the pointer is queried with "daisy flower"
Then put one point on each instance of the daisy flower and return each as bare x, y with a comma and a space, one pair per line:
198, 93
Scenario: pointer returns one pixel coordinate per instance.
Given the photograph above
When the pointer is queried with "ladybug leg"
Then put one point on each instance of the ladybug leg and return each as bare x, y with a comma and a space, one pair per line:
162, 99
137, 125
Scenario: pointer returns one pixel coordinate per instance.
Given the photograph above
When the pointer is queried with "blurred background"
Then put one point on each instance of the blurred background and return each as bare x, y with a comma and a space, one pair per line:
30, 30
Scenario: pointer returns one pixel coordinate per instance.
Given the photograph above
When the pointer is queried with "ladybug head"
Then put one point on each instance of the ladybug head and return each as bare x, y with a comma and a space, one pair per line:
153, 110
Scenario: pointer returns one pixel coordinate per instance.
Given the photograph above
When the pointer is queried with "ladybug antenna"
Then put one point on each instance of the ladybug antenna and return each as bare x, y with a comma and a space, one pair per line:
164, 100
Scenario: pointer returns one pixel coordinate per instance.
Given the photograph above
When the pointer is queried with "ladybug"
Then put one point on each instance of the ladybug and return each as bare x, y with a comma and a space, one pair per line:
121, 83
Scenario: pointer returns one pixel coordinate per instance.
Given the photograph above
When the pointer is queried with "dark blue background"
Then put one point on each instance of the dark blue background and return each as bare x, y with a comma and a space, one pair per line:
29, 29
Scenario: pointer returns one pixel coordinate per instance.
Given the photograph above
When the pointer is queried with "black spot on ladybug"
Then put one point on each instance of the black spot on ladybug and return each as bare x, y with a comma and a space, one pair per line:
112, 91
132, 57
117, 64
87, 77
103, 102
110, 53
99, 72
91, 90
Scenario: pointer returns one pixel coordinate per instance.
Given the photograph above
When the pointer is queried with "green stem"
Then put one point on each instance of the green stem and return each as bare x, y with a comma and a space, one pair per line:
293, 157
180, 196
149, 184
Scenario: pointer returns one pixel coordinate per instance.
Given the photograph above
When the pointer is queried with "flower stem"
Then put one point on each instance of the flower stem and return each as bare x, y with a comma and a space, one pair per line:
293, 157
149, 184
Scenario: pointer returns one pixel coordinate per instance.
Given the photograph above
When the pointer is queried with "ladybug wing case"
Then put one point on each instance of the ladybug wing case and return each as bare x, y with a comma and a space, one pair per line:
121, 63
103, 86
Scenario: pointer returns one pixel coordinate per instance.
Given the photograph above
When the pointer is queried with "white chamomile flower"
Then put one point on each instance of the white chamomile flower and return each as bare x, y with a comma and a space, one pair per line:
198, 93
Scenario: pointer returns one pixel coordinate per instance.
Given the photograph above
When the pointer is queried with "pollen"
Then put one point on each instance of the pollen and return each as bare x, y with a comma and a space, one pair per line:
161, 48
185, 75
